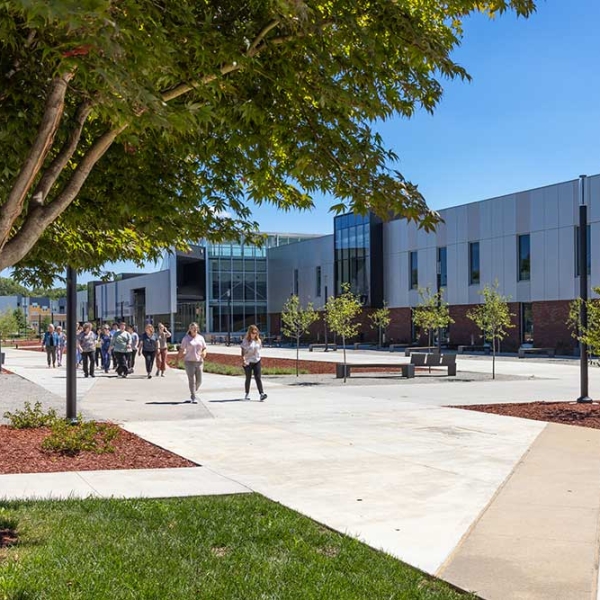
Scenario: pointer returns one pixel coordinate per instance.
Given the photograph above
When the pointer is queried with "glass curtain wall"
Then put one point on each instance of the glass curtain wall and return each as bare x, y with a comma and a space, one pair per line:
352, 254
237, 287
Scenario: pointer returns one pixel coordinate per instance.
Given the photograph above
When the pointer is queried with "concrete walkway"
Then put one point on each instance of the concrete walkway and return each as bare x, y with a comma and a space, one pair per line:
389, 464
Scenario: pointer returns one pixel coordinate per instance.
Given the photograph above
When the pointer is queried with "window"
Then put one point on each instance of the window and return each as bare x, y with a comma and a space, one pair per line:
318, 282
442, 267
295, 282
413, 267
589, 251
527, 323
524, 258
473, 263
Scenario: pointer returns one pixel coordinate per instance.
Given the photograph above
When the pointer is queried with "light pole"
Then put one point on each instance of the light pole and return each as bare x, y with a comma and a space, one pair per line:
583, 293
71, 344
228, 294
325, 317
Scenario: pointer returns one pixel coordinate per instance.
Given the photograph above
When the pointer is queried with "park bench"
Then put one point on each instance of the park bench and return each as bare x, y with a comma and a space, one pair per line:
312, 347
409, 351
435, 360
550, 352
364, 346
487, 349
408, 369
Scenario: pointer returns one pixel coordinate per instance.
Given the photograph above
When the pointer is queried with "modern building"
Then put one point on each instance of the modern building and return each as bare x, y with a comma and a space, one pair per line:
221, 286
526, 241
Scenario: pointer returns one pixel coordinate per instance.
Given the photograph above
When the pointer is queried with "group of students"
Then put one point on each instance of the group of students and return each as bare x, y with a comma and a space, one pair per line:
119, 345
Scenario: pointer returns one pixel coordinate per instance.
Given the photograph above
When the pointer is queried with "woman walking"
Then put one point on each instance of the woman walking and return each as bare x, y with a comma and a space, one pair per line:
62, 342
193, 352
120, 344
251, 346
105, 339
148, 347
161, 355
86, 344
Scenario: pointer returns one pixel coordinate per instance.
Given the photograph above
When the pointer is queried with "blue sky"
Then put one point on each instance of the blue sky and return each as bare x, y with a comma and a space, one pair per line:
530, 116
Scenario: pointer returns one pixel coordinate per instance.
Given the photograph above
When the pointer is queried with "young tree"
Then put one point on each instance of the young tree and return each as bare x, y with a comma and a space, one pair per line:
165, 120
8, 324
20, 319
432, 313
589, 335
380, 318
296, 321
341, 313
493, 317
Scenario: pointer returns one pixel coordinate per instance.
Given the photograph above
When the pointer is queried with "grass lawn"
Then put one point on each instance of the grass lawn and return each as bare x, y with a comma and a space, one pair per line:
220, 369
229, 547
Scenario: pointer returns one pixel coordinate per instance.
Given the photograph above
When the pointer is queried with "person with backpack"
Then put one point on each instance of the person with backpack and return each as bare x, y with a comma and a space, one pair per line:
148, 346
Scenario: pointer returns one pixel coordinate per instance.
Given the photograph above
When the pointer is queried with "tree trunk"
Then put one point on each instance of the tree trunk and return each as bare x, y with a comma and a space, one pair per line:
297, 353
493, 358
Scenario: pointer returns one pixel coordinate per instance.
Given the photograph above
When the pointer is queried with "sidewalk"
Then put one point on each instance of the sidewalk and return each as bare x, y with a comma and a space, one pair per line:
452, 492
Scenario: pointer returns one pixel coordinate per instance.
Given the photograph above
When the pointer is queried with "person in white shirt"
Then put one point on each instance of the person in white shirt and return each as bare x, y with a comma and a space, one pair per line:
193, 351
251, 345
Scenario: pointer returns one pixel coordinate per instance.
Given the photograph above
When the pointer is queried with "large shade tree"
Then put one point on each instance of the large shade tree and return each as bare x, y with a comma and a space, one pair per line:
127, 126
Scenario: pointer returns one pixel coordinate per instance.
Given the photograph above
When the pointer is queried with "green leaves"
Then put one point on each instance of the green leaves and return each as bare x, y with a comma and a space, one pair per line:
221, 103
432, 312
342, 312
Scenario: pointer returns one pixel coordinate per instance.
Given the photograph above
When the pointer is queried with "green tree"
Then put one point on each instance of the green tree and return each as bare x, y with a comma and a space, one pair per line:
380, 319
296, 321
21, 320
493, 317
432, 313
589, 335
341, 313
161, 122
8, 324
9, 287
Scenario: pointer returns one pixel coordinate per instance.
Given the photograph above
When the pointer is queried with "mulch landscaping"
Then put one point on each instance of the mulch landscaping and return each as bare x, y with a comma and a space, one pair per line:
566, 413
21, 452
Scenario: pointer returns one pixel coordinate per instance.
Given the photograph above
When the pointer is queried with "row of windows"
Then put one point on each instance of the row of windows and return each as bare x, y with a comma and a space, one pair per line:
523, 261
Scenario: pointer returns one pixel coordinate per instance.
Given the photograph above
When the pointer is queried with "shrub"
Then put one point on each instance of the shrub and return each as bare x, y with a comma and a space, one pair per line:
83, 436
31, 418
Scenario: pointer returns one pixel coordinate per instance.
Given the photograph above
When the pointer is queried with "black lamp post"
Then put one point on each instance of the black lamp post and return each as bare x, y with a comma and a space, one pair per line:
71, 344
325, 317
583, 293
228, 294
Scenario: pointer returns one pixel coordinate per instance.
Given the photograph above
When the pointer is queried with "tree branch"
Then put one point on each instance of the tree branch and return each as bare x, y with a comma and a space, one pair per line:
52, 173
41, 217
53, 112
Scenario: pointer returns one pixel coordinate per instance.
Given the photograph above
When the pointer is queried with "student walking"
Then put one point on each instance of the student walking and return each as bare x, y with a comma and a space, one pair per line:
105, 338
251, 346
148, 346
193, 351
135, 338
86, 344
163, 335
62, 342
120, 344
50, 344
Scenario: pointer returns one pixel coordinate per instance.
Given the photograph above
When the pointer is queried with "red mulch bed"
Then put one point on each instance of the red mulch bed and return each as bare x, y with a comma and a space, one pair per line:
21, 452
566, 413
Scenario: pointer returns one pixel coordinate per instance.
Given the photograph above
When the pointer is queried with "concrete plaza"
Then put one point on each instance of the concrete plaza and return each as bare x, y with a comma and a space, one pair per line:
506, 507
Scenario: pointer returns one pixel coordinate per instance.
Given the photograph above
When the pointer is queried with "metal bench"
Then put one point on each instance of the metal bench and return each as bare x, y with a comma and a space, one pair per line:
435, 360
550, 352
408, 369
412, 349
394, 347
311, 347
482, 348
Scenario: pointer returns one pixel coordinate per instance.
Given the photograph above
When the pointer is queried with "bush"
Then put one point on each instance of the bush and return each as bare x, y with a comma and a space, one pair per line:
31, 418
83, 436
221, 369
